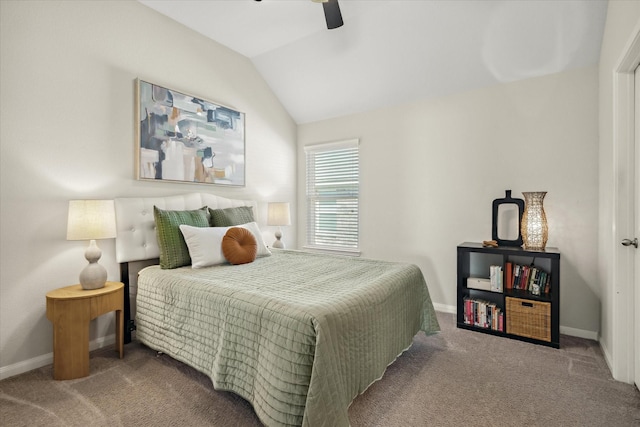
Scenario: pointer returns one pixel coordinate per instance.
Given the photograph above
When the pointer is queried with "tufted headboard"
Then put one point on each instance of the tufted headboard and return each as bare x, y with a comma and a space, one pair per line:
136, 236
136, 233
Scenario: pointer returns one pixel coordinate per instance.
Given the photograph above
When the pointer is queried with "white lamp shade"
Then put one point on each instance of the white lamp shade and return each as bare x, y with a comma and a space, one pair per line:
278, 214
91, 219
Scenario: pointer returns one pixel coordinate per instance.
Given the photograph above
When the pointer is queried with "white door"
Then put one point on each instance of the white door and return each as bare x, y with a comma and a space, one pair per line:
636, 275
626, 265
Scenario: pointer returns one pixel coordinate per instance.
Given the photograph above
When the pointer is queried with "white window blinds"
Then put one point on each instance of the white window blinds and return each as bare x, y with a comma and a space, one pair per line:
333, 181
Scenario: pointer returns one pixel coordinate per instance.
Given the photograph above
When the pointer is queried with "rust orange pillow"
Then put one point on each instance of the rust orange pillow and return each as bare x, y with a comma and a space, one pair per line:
239, 246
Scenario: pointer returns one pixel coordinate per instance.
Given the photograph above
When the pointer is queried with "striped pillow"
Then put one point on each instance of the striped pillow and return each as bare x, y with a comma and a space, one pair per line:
173, 248
231, 216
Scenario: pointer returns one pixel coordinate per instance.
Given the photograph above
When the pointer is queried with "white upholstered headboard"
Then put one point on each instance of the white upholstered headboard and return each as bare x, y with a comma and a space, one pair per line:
135, 224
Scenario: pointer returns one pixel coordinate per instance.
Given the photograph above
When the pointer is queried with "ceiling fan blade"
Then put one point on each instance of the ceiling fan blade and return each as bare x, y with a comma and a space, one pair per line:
332, 14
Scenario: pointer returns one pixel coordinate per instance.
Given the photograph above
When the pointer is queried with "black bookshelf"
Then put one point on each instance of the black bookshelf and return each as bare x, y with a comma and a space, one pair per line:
474, 260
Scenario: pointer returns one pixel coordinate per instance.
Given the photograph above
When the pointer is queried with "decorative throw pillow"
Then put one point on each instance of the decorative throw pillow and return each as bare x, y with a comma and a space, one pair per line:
255, 230
173, 248
205, 245
231, 216
239, 246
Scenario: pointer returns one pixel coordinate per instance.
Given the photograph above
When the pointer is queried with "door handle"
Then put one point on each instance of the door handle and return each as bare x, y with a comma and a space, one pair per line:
627, 242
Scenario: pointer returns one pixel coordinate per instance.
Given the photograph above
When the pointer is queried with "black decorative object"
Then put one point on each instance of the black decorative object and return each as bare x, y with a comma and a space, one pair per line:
507, 200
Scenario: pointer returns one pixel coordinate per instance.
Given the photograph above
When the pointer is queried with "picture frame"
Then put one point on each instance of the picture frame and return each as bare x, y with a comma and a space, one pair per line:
188, 139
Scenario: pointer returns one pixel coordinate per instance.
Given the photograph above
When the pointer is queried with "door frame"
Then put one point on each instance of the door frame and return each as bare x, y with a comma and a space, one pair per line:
623, 332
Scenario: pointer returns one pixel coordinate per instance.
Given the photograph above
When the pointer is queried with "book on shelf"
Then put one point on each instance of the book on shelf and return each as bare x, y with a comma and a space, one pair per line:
528, 278
483, 314
508, 274
496, 278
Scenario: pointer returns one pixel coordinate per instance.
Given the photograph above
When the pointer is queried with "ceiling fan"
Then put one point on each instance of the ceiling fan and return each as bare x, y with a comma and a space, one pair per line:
332, 13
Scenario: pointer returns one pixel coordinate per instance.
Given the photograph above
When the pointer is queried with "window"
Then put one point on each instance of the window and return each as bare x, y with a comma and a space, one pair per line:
333, 181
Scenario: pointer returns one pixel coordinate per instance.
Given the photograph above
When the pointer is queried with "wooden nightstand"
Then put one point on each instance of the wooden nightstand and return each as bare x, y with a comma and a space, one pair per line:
70, 309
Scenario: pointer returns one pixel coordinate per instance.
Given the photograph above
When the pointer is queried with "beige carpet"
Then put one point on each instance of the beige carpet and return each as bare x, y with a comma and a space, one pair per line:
455, 378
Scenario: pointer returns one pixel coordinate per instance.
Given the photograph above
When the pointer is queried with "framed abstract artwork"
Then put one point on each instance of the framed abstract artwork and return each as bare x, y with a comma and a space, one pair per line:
184, 138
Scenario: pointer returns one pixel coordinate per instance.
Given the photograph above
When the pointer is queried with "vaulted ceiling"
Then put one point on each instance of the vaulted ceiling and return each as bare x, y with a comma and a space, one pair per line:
390, 52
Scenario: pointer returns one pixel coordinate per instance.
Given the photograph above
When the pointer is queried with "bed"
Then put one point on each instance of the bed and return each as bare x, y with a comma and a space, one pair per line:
299, 335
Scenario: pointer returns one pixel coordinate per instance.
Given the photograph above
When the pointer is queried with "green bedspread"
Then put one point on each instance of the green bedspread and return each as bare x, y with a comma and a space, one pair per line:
298, 335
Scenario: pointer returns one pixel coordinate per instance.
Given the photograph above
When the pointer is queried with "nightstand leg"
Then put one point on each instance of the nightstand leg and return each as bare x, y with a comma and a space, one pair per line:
70, 341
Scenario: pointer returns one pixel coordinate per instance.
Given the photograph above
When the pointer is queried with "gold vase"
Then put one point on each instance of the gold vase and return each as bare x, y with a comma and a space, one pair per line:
534, 221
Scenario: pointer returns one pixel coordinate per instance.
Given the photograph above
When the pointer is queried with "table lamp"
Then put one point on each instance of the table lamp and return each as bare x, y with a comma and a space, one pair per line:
534, 228
278, 214
91, 220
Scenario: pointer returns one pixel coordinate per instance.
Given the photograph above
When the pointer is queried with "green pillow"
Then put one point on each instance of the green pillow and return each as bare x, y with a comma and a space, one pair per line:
231, 216
173, 249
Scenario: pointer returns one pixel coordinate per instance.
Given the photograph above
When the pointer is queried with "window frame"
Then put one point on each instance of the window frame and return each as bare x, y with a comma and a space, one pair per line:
311, 198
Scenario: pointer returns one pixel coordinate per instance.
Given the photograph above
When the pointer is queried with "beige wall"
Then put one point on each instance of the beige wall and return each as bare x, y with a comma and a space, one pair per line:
623, 22
67, 113
430, 171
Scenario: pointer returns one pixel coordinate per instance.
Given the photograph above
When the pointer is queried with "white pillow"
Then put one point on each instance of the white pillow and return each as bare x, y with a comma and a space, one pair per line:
204, 244
255, 230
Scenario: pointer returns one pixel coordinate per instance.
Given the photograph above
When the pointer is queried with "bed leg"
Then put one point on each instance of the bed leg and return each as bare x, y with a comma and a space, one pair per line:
129, 324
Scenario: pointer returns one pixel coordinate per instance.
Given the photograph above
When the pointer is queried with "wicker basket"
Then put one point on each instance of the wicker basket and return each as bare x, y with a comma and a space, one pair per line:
527, 318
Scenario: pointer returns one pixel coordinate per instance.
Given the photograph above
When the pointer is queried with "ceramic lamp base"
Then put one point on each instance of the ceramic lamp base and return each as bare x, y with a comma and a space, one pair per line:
278, 243
93, 276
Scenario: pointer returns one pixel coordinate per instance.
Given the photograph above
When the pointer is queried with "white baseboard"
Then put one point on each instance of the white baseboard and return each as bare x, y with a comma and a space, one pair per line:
47, 359
25, 365
580, 333
607, 356
445, 308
